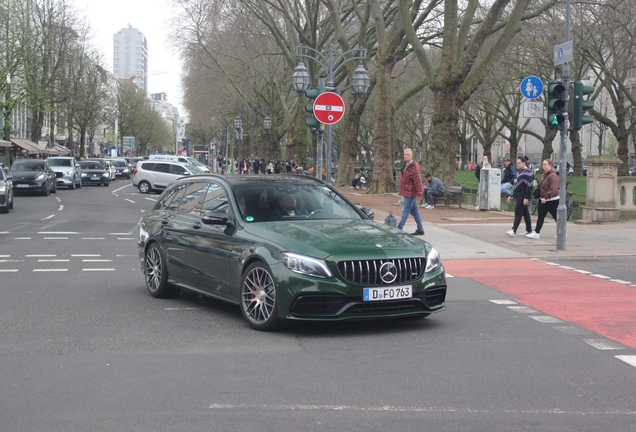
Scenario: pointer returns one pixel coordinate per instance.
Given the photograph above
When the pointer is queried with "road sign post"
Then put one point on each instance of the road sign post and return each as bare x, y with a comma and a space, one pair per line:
329, 108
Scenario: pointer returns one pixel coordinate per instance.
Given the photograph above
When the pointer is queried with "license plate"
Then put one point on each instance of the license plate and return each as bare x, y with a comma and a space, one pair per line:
95, 178
22, 186
387, 293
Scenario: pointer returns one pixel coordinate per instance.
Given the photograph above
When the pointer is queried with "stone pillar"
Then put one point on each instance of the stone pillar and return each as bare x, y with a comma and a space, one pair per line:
602, 189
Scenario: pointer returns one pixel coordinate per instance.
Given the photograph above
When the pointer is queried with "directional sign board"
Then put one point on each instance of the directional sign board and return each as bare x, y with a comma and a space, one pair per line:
563, 53
329, 108
531, 87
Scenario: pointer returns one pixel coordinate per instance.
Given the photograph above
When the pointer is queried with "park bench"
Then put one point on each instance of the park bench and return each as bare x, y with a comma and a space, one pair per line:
453, 195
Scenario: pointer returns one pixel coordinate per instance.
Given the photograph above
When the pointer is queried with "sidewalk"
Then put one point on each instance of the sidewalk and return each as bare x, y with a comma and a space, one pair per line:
471, 234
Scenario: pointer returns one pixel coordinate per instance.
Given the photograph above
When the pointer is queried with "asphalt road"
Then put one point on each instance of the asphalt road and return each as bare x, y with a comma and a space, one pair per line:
84, 347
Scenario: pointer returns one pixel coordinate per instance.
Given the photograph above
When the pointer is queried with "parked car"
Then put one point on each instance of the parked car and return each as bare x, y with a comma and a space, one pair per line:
6, 192
122, 169
33, 175
150, 176
95, 171
285, 248
67, 171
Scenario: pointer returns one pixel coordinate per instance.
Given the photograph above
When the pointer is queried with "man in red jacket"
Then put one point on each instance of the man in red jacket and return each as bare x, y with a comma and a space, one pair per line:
411, 190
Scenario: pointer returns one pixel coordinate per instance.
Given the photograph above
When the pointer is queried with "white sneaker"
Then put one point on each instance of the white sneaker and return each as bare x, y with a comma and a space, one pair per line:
429, 207
511, 233
533, 235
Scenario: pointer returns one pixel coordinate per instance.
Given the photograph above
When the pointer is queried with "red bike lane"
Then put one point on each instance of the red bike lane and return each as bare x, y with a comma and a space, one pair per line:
604, 307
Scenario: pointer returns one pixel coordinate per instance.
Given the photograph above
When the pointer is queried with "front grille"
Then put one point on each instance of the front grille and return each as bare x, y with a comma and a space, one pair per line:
59, 174
433, 297
367, 272
318, 305
386, 307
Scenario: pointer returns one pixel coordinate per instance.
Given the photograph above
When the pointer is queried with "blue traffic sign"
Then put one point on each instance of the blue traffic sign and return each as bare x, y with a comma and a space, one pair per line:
531, 87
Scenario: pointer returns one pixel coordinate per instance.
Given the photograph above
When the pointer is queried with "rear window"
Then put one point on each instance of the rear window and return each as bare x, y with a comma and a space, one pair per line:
148, 166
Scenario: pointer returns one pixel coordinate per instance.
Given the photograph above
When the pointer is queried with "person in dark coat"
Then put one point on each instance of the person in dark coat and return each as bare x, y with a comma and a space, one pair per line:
522, 193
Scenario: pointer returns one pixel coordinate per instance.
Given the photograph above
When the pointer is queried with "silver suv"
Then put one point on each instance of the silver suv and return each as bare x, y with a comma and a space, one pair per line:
151, 176
67, 171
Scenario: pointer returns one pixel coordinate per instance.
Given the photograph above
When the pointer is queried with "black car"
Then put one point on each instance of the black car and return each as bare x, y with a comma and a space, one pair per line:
6, 192
95, 172
33, 175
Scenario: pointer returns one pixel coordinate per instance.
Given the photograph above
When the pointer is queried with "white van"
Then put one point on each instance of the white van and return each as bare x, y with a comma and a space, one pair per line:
180, 159
154, 175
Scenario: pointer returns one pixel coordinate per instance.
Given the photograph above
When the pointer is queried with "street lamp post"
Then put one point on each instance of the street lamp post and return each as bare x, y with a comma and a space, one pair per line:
331, 61
238, 127
267, 125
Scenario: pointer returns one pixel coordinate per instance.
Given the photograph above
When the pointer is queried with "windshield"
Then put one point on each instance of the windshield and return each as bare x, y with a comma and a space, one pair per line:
92, 165
194, 169
119, 163
60, 162
28, 165
278, 201
194, 161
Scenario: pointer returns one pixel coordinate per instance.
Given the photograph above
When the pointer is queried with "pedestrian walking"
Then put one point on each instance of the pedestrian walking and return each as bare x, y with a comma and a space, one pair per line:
522, 192
411, 189
548, 197
434, 189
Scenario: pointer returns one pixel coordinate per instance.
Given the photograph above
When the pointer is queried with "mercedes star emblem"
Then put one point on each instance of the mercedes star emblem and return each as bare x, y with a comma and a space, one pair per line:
388, 272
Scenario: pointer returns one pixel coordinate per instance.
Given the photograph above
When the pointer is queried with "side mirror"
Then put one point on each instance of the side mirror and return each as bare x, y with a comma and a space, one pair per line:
9, 177
368, 212
216, 217
186, 173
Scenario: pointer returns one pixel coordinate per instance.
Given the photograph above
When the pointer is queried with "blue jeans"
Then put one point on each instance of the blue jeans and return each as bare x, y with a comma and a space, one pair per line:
506, 188
410, 207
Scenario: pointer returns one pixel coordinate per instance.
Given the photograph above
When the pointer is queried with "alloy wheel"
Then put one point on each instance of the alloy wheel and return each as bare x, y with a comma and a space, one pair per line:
258, 295
153, 269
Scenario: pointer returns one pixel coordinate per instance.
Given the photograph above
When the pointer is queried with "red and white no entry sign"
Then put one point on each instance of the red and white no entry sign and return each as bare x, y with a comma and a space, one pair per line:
329, 108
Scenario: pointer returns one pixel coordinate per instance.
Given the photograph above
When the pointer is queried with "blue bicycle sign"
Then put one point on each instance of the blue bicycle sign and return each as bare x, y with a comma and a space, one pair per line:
531, 87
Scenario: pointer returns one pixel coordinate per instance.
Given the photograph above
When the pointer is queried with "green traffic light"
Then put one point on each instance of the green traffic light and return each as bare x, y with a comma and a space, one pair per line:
555, 121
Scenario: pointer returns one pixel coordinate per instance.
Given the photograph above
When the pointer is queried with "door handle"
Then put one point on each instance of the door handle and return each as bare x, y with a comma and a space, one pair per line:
164, 221
196, 225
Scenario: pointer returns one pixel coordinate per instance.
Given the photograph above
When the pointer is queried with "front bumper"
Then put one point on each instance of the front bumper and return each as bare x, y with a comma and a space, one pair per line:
95, 180
29, 186
64, 179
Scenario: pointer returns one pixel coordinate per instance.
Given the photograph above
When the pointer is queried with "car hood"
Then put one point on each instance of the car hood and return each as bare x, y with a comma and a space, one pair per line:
25, 175
62, 168
351, 238
94, 171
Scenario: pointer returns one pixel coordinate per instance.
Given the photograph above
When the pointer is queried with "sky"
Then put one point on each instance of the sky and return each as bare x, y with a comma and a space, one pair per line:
151, 17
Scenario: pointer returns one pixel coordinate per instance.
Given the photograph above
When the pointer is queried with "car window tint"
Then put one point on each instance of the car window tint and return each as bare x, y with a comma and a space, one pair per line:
162, 168
148, 166
215, 198
191, 200
165, 198
173, 204
177, 169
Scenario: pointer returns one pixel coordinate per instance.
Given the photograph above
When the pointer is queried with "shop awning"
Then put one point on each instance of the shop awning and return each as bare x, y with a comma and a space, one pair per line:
62, 150
4, 143
27, 145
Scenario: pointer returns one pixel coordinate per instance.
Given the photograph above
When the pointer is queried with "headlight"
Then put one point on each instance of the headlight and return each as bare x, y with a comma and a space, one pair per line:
68, 172
125, 170
40, 177
84, 174
3, 188
305, 265
432, 261
106, 174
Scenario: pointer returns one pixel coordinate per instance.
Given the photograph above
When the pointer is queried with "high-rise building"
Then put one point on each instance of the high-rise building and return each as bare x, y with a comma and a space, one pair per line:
130, 56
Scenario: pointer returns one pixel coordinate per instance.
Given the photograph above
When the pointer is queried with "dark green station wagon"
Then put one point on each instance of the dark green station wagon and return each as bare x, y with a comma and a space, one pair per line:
285, 247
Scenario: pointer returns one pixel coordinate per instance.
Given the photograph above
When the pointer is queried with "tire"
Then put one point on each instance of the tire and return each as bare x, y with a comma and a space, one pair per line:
4, 209
128, 178
258, 298
79, 185
46, 191
72, 186
11, 203
144, 187
156, 275
107, 184
54, 191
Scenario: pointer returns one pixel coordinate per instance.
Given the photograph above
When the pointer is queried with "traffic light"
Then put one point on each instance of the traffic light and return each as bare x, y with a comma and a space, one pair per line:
581, 105
556, 104
312, 94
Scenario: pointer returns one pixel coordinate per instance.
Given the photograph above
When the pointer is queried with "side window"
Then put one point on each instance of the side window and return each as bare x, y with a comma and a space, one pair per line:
173, 204
191, 200
167, 197
215, 198
148, 166
162, 168
177, 169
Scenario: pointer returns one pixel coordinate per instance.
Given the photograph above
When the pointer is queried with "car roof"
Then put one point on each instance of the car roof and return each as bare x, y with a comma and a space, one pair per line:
272, 179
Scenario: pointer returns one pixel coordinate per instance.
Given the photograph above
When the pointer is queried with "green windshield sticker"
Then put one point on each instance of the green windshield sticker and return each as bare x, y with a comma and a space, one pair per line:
249, 219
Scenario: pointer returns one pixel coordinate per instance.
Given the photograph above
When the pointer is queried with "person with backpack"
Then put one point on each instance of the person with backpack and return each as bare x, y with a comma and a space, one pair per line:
548, 197
522, 192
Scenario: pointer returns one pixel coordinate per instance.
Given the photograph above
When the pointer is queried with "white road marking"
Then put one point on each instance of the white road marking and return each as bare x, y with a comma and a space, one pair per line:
123, 187
85, 255
583, 271
545, 319
129, 200
58, 200
120, 234
97, 260
93, 238
61, 208
8, 270
410, 409
50, 270
40, 256
5, 256
504, 302
58, 232
571, 329
172, 309
632, 285
551, 263
54, 238
603, 344
449, 275
4, 260
143, 211
151, 199
98, 269
126, 238
22, 238
119, 256
629, 359
53, 260
620, 281
522, 309
566, 267
600, 276
48, 217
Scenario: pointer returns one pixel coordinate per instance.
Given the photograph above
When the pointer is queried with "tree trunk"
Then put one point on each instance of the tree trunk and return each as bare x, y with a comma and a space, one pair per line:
463, 145
548, 138
350, 146
82, 141
7, 111
382, 180
36, 125
514, 145
444, 124
622, 137
575, 139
